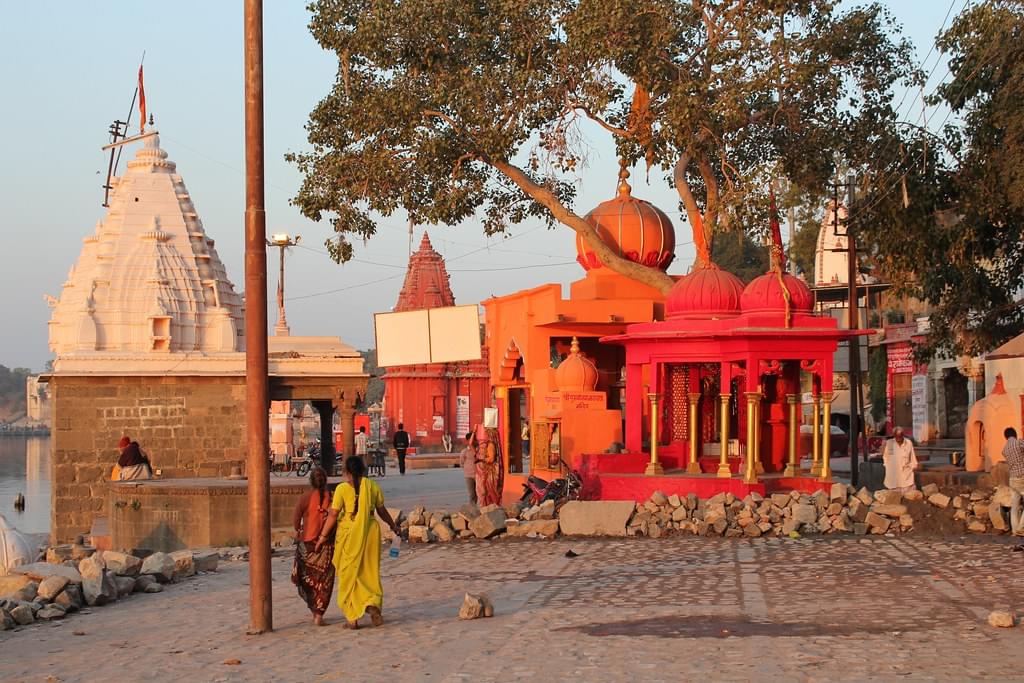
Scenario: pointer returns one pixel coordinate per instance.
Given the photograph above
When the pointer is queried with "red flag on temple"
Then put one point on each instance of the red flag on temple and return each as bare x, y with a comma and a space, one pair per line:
142, 104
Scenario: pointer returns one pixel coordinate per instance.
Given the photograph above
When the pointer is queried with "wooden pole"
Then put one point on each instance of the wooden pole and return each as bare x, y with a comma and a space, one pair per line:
257, 402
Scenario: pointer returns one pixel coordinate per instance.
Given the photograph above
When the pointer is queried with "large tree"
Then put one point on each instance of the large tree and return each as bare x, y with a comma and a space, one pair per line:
945, 220
453, 109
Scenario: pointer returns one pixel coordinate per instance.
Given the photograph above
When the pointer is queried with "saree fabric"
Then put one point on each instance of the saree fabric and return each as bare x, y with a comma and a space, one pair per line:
489, 471
357, 548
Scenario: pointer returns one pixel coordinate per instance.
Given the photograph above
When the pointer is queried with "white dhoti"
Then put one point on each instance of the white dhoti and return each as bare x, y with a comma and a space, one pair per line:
900, 463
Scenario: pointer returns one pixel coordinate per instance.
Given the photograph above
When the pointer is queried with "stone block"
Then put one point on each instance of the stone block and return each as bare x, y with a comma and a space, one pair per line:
459, 522
419, 533
781, 499
125, 585
995, 515
888, 497
980, 509
674, 500
475, 607
906, 521
122, 564
50, 612
39, 571
929, 490
58, 554
184, 564
838, 493
752, 530
889, 510
1002, 619
489, 523
99, 591
9, 585
595, 518
537, 527
70, 598
51, 586
1003, 496
914, 495
860, 528
790, 526
28, 593
976, 525
443, 532
92, 567
546, 510
805, 514
877, 522
160, 566
679, 514
865, 496
206, 560
659, 498
939, 500
22, 615
142, 582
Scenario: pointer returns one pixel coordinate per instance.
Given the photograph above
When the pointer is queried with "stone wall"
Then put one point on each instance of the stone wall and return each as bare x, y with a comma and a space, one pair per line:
189, 427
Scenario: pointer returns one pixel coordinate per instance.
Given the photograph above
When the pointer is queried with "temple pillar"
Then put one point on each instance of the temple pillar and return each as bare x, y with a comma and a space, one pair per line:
634, 408
654, 467
326, 411
694, 466
826, 437
725, 379
347, 411
816, 435
792, 467
750, 464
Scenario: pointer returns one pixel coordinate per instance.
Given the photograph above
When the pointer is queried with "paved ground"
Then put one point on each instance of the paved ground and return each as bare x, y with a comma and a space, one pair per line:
628, 609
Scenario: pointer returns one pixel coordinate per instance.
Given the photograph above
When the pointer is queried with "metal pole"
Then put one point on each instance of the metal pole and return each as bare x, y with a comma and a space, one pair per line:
256, 382
853, 324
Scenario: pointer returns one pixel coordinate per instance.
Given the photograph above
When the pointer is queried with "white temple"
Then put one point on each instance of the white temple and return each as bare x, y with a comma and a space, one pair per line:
149, 279
830, 255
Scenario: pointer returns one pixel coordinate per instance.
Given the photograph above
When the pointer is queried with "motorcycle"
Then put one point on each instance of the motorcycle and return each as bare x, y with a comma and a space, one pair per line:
537, 490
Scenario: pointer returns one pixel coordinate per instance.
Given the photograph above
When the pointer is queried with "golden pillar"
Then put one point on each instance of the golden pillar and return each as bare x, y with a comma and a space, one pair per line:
826, 437
792, 467
694, 466
750, 466
816, 438
757, 435
723, 430
654, 467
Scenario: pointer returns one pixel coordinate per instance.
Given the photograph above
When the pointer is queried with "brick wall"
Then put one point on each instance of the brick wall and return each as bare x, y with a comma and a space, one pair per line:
189, 427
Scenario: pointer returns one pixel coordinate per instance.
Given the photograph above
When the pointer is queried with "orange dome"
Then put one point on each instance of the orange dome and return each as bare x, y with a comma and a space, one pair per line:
764, 295
576, 373
708, 292
634, 229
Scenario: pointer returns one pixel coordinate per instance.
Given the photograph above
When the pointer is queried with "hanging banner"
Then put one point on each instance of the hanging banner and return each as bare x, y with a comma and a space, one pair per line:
461, 415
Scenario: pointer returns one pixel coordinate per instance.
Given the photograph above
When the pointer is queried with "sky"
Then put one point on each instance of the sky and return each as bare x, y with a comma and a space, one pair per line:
69, 69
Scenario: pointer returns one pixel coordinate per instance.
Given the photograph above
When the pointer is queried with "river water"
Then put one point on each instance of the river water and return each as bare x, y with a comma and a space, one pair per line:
25, 469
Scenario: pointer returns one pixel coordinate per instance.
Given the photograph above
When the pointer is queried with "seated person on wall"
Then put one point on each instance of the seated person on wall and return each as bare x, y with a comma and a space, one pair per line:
133, 463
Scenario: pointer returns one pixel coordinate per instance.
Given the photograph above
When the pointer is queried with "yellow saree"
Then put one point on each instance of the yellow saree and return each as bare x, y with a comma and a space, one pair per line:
357, 548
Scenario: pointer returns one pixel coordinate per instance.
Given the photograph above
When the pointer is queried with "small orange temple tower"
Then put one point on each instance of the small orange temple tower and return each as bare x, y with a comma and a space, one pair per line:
440, 398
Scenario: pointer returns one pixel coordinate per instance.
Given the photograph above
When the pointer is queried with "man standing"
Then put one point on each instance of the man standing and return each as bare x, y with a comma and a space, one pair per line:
1013, 451
900, 462
401, 444
467, 459
361, 440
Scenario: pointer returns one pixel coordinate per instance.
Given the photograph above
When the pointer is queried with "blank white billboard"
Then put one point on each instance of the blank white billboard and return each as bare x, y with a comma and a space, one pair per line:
433, 335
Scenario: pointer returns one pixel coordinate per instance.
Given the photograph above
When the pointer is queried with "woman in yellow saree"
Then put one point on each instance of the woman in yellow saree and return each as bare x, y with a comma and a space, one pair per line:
357, 544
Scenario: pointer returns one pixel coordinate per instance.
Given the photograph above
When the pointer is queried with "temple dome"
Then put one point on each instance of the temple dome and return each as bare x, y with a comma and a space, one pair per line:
635, 229
764, 295
708, 292
577, 372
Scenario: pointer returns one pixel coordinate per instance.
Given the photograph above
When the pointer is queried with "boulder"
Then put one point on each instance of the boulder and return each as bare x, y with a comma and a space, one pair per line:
513, 509
475, 607
417, 517
92, 567
418, 533
470, 511
489, 523
99, 591
889, 510
58, 554
10, 585
595, 517
51, 587
913, 494
125, 585
537, 527
438, 516
459, 522
546, 510
28, 593
1003, 496
752, 530
443, 532
781, 499
838, 493
42, 570
674, 500
70, 598
877, 522
804, 513
160, 566
122, 564
995, 515
659, 498
939, 500
679, 514
142, 582
154, 588
929, 490
1002, 619
22, 615
50, 612
205, 560
184, 564
888, 497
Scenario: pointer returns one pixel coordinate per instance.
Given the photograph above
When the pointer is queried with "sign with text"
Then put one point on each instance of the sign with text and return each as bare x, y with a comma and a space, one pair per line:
433, 335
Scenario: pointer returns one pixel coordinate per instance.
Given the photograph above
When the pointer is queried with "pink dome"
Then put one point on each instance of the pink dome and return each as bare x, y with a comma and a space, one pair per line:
576, 373
764, 294
708, 292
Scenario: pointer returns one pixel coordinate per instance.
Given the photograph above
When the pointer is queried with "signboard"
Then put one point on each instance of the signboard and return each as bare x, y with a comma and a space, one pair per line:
432, 335
583, 400
919, 406
901, 358
462, 415
438, 424
491, 418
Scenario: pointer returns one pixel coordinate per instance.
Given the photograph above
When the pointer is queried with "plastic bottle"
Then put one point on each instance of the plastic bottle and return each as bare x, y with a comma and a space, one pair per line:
395, 545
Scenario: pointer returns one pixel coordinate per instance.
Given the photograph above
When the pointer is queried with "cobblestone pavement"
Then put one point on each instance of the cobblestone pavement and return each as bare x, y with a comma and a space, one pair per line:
674, 609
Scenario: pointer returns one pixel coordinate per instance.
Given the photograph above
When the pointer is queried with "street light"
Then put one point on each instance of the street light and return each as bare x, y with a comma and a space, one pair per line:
282, 240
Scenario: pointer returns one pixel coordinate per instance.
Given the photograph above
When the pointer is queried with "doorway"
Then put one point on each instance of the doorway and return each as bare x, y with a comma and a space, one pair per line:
902, 401
517, 421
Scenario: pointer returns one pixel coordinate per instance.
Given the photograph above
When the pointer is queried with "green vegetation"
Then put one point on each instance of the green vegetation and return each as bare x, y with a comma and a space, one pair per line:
375, 387
12, 392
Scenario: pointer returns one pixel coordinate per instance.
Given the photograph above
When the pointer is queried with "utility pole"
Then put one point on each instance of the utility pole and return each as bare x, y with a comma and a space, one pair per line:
853, 323
257, 403
282, 240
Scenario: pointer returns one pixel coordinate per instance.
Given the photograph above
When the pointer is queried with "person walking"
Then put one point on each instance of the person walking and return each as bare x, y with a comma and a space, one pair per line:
1013, 451
900, 462
467, 460
357, 543
313, 569
401, 443
361, 440
489, 475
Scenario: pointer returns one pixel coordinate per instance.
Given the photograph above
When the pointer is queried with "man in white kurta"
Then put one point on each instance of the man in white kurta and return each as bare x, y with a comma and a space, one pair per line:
900, 462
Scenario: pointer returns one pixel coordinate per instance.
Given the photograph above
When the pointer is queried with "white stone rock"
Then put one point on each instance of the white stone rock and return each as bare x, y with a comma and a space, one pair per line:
160, 566
939, 500
206, 560
92, 567
491, 522
50, 587
50, 612
595, 518
443, 532
121, 564
184, 564
537, 527
419, 533
99, 591
41, 570
805, 514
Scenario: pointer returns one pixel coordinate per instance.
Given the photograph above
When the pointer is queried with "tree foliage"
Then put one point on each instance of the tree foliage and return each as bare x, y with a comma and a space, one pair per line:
735, 252
456, 109
946, 221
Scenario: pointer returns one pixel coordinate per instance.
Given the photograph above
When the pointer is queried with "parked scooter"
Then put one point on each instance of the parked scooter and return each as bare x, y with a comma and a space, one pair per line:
537, 490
